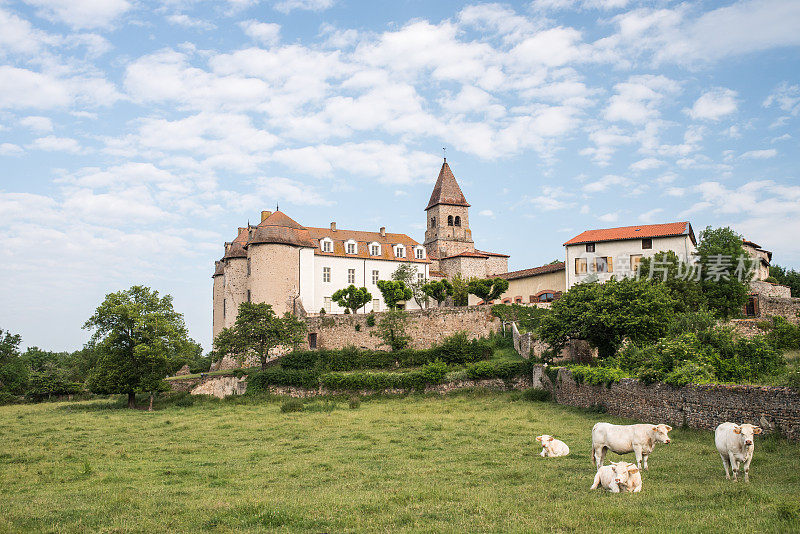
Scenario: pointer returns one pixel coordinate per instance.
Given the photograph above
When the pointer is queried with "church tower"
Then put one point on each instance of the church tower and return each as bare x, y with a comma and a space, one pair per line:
447, 232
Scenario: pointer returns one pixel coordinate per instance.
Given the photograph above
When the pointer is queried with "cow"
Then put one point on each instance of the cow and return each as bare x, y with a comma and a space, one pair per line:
639, 439
735, 445
618, 477
552, 447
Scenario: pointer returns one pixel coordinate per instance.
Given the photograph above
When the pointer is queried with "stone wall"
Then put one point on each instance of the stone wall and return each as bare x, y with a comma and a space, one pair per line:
426, 327
770, 290
787, 308
704, 407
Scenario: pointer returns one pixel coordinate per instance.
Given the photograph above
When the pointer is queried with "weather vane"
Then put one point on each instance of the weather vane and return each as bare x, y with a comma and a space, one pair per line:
444, 151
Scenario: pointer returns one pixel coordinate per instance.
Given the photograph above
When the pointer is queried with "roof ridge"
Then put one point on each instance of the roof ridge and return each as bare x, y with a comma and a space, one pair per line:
447, 190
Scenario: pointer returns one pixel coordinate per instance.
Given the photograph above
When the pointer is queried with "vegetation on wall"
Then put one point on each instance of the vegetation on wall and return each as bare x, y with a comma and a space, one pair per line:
786, 277
394, 292
409, 275
352, 297
438, 290
392, 328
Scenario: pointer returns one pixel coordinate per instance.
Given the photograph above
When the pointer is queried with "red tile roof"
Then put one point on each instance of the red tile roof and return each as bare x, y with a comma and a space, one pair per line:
492, 253
524, 273
446, 190
281, 229
363, 240
633, 232
467, 254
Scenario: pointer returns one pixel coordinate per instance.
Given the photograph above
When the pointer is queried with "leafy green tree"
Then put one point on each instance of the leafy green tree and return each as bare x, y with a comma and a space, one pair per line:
135, 334
606, 314
786, 277
438, 290
409, 275
13, 371
678, 277
723, 262
352, 297
394, 291
392, 330
488, 289
460, 290
258, 329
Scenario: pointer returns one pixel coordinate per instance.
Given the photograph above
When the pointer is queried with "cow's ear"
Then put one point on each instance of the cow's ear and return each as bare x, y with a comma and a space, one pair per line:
539, 439
655, 429
551, 438
669, 428
633, 470
757, 430
737, 430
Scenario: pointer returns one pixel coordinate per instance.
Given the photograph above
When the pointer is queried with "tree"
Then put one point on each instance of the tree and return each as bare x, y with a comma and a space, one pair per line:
726, 271
352, 297
13, 371
786, 277
438, 290
392, 330
488, 289
677, 276
257, 329
394, 291
606, 314
135, 333
460, 290
409, 275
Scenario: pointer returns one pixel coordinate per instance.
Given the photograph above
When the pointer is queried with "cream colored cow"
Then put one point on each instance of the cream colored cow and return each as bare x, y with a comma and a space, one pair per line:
618, 477
552, 447
736, 445
639, 439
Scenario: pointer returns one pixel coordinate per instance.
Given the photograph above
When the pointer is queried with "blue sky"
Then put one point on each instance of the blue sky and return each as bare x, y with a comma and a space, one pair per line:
135, 137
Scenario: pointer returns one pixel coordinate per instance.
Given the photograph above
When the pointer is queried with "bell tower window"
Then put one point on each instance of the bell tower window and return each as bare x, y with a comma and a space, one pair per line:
449, 220
458, 220
433, 222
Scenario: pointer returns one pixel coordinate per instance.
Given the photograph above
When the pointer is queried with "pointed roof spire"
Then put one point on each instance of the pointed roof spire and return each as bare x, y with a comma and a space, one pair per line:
446, 190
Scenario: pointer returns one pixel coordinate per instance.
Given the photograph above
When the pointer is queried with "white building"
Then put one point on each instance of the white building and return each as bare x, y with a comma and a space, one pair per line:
618, 251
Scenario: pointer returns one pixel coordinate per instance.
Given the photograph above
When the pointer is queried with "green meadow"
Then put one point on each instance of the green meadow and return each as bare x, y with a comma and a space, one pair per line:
466, 462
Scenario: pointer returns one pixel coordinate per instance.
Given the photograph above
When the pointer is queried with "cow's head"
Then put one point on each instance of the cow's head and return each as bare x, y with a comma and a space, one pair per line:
622, 471
660, 433
746, 431
544, 439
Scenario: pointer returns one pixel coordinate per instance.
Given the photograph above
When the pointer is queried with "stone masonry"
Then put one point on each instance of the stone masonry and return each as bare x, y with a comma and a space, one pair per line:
774, 409
426, 327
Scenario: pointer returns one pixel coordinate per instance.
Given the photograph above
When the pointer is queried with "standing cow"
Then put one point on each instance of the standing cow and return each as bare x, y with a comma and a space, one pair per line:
639, 439
735, 445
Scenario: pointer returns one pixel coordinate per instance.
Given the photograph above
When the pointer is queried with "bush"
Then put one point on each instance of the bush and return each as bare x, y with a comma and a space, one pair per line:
352, 358
414, 358
306, 359
689, 373
354, 403
783, 335
371, 319
504, 369
277, 376
292, 405
536, 395
432, 373
458, 349
597, 376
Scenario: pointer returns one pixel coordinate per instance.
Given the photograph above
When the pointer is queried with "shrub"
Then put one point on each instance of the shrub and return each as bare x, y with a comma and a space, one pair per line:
358, 327
371, 319
354, 403
277, 376
783, 335
536, 395
504, 369
414, 358
434, 372
292, 405
771, 280
689, 373
182, 399
306, 359
458, 349
597, 376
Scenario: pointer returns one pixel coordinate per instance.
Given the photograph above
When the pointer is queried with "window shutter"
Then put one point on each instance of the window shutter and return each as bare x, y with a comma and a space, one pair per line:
609, 268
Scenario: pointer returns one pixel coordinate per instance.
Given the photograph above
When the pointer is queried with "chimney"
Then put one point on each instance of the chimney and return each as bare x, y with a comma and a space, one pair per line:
264, 215
333, 227
383, 231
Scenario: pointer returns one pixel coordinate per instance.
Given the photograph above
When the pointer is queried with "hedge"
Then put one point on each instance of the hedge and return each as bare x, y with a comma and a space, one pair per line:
277, 376
504, 369
596, 376
432, 373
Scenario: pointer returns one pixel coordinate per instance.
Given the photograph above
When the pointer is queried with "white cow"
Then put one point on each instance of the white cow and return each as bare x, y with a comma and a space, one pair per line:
735, 445
639, 439
552, 447
618, 477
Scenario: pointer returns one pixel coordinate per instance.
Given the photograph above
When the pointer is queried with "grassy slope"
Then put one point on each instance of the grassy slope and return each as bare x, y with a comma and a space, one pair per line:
462, 463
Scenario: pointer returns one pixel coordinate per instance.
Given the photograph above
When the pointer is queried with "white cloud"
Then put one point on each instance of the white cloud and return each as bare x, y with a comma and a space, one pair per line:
10, 149
714, 104
648, 217
287, 6
760, 154
486, 213
22, 88
605, 183
786, 97
81, 14
186, 21
646, 164
638, 99
609, 217
291, 191
37, 124
18, 36
267, 33
52, 143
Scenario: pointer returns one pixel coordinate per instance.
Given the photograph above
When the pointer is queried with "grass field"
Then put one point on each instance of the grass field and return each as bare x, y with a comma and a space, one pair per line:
462, 463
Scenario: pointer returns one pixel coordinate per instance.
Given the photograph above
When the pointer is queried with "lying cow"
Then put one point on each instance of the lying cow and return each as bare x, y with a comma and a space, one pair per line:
552, 447
639, 439
618, 477
735, 445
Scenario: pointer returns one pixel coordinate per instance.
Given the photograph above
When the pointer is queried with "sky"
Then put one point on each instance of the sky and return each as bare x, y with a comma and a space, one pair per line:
135, 137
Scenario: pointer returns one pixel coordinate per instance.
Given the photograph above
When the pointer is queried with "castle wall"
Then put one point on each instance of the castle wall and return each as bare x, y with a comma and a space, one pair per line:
274, 275
217, 321
531, 285
426, 327
496, 265
234, 290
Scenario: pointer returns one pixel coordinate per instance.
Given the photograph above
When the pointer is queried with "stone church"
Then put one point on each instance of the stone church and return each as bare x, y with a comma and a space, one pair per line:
297, 268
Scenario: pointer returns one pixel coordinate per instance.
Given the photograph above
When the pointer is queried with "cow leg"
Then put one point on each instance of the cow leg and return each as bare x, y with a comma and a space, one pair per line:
614, 487
747, 469
726, 464
734, 466
644, 459
543, 453
600, 456
638, 452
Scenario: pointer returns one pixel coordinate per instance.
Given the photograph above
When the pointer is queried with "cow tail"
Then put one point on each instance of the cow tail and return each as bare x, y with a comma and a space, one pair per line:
594, 460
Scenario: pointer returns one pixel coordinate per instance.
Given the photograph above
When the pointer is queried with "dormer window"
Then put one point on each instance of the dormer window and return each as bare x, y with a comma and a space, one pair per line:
419, 253
351, 247
374, 249
326, 245
399, 251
